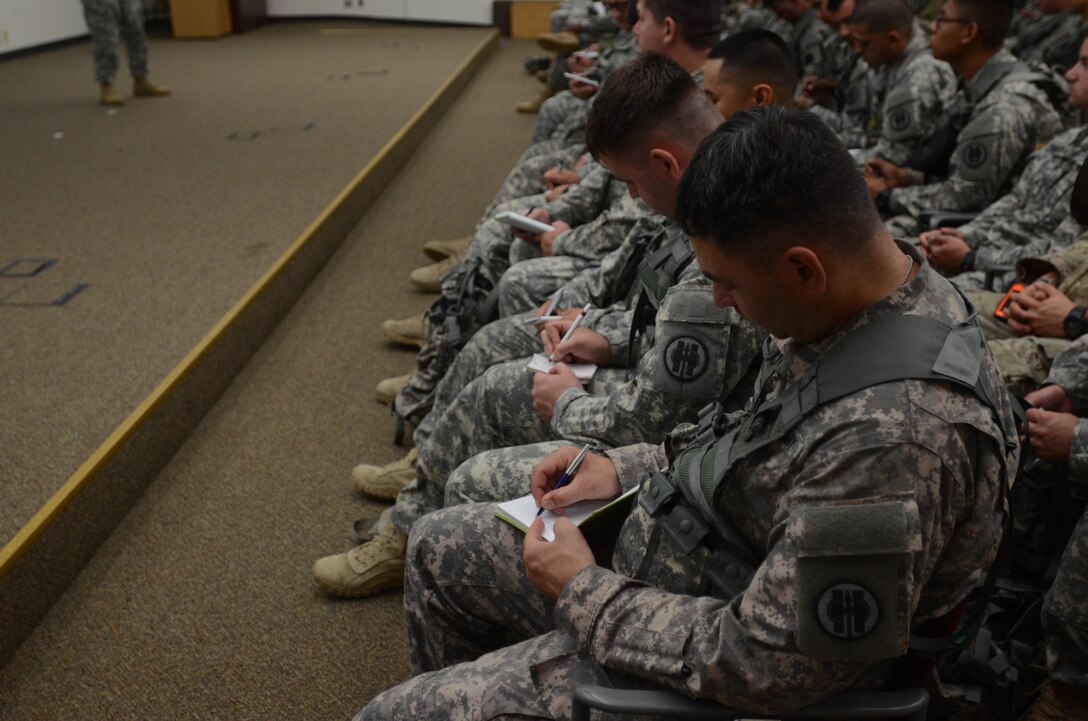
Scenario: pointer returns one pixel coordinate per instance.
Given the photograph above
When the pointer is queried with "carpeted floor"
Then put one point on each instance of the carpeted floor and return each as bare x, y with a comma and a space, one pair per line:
201, 606
159, 216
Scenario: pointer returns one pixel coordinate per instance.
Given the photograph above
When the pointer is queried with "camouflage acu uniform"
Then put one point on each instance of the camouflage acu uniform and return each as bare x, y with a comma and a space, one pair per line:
1065, 616
474, 283
563, 116
694, 353
1029, 29
760, 17
808, 43
856, 96
1060, 47
928, 454
1012, 117
917, 96
110, 21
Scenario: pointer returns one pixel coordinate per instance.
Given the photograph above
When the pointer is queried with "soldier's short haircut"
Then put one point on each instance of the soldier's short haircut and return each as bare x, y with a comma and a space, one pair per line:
992, 17
699, 22
775, 174
651, 93
883, 16
758, 56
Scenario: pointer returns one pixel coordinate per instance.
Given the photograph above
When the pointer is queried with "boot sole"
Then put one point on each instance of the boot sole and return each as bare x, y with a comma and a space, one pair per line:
436, 254
386, 581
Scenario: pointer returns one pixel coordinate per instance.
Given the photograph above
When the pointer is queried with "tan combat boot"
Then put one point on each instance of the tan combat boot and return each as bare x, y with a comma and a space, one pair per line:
144, 88
438, 250
385, 482
559, 42
388, 389
1059, 702
407, 331
429, 277
109, 96
377, 565
533, 106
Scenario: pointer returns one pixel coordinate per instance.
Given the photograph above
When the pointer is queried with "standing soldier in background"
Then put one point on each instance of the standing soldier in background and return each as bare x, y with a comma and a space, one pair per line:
109, 21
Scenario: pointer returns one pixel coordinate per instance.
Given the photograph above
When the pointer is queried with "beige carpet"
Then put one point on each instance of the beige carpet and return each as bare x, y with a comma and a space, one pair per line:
168, 210
201, 606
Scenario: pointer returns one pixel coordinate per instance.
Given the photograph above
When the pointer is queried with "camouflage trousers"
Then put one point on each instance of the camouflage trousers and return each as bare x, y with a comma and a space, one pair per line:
527, 177
493, 411
553, 113
110, 21
488, 259
466, 600
1065, 615
528, 284
1024, 361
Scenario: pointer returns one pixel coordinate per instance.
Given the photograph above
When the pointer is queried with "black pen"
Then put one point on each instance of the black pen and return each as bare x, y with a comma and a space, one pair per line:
569, 473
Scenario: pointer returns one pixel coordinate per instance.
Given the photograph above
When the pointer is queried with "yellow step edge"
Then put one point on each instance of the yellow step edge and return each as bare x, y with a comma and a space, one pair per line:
24, 540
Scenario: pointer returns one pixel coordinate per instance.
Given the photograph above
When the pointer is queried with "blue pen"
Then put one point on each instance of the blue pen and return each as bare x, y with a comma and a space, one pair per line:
569, 473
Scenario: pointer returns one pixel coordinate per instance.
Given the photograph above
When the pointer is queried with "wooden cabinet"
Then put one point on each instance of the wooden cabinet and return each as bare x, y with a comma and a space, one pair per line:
200, 18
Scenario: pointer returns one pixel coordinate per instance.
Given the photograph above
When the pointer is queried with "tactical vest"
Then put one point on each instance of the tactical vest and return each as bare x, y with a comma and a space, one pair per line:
933, 159
658, 273
704, 555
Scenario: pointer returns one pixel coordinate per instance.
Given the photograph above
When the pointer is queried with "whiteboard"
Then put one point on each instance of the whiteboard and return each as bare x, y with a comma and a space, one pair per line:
477, 12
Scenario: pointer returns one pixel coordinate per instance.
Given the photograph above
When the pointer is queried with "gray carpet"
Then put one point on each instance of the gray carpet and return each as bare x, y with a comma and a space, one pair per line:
169, 210
201, 606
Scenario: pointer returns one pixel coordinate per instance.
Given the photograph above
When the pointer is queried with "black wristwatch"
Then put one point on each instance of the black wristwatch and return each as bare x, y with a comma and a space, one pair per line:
884, 200
1075, 324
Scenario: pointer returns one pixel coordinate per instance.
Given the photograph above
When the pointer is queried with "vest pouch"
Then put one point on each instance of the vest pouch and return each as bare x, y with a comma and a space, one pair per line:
686, 529
728, 574
658, 493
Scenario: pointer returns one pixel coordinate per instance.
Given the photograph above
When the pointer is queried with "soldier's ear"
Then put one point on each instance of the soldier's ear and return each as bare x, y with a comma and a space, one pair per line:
667, 162
762, 95
672, 34
970, 33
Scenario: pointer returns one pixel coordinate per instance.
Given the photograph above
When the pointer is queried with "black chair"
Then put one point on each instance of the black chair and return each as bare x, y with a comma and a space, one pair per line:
909, 704
931, 219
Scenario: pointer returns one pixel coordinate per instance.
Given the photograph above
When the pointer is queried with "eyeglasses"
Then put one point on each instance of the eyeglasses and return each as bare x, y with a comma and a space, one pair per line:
945, 19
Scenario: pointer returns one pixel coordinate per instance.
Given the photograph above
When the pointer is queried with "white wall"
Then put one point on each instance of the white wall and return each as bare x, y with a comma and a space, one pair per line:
460, 11
26, 23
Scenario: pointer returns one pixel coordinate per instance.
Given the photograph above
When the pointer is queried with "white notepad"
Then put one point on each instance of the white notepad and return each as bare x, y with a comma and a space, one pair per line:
521, 512
582, 371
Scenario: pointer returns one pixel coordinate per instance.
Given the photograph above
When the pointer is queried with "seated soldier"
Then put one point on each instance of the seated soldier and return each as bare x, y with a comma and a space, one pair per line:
644, 126
1032, 219
1001, 115
1059, 436
918, 89
1039, 29
853, 89
808, 38
886, 493
564, 114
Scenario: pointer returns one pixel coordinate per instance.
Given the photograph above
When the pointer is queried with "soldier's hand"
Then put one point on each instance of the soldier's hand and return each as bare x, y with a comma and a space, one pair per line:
555, 192
1051, 434
540, 214
582, 91
547, 240
560, 176
946, 252
596, 480
876, 185
551, 566
892, 175
1050, 398
547, 387
817, 87
1039, 310
583, 161
552, 333
584, 346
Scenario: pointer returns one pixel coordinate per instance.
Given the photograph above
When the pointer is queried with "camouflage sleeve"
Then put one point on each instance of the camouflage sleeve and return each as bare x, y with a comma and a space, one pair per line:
1070, 371
602, 235
586, 200
1063, 261
634, 464
988, 150
914, 111
601, 285
615, 326
758, 652
1078, 455
700, 354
